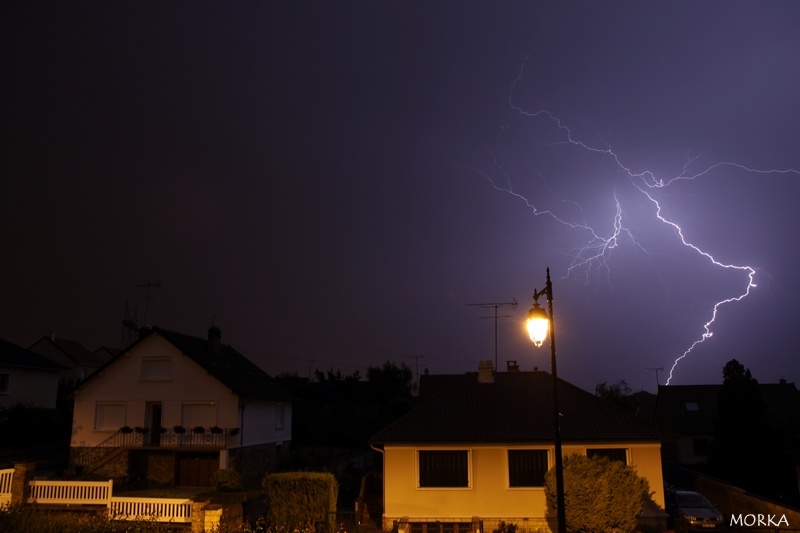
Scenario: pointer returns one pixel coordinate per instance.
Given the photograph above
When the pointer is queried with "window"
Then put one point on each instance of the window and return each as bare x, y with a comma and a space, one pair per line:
4, 379
156, 369
280, 416
199, 414
109, 416
443, 468
526, 468
691, 406
612, 454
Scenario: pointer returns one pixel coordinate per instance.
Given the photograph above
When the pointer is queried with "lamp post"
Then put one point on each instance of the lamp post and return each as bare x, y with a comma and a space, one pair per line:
538, 324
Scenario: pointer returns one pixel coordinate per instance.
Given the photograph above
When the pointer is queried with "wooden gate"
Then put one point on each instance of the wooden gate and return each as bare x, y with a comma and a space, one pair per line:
196, 469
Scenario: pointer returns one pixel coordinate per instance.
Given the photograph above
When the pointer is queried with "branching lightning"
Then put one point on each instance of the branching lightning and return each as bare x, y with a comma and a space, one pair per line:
593, 254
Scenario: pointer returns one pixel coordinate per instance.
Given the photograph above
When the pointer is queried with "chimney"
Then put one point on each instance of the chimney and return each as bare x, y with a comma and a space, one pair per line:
485, 372
512, 366
214, 338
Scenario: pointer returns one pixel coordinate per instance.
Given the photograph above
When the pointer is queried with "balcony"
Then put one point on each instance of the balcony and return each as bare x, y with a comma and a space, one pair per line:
208, 438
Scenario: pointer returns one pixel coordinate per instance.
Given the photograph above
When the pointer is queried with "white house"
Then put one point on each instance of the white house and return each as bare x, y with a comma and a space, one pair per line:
27, 378
173, 409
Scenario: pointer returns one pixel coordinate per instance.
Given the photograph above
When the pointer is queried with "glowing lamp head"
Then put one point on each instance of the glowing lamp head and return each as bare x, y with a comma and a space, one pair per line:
538, 323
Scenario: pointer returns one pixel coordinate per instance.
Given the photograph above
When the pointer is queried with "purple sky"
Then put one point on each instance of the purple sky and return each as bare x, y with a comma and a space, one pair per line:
335, 181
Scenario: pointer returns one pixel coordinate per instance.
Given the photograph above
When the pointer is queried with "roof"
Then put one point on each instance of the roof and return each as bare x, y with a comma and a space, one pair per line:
74, 350
516, 407
690, 409
17, 356
231, 368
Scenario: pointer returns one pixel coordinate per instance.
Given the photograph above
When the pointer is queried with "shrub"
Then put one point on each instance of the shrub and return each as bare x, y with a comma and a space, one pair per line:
502, 527
227, 480
30, 519
299, 499
600, 495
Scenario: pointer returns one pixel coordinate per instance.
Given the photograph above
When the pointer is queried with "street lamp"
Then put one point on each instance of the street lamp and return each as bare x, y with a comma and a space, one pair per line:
538, 324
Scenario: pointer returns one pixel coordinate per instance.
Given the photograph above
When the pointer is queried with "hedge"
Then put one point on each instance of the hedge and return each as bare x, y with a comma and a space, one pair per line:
301, 498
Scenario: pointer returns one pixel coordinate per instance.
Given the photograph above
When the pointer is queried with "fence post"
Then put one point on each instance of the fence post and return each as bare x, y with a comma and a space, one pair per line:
199, 516
23, 474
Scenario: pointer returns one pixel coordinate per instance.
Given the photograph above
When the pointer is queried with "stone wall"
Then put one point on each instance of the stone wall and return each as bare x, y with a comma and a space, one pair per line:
115, 467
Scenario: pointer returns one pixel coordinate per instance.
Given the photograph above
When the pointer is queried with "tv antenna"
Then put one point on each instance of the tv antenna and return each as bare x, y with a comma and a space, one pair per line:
656, 370
130, 329
416, 358
496, 316
150, 284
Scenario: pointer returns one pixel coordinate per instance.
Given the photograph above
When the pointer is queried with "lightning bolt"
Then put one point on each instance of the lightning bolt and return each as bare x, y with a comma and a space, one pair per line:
592, 256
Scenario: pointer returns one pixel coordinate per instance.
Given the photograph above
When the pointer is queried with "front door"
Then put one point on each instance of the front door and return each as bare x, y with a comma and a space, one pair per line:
154, 421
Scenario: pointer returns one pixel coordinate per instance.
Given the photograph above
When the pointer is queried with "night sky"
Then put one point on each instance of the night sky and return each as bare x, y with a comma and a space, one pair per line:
335, 181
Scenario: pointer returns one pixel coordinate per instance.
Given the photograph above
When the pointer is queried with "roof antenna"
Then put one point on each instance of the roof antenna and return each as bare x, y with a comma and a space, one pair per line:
656, 370
154, 284
495, 305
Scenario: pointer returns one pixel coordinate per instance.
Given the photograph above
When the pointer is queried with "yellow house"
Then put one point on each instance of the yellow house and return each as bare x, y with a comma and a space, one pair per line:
476, 449
172, 409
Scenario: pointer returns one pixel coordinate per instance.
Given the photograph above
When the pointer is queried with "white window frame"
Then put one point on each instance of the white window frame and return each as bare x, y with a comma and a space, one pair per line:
548, 451
112, 426
448, 449
601, 448
156, 360
189, 424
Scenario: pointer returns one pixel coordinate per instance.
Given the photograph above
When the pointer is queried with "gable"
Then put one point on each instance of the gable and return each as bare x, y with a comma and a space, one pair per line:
154, 368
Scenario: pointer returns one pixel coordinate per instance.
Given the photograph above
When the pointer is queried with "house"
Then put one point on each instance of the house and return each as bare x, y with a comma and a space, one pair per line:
105, 353
171, 409
477, 447
27, 378
688, 411
79, 361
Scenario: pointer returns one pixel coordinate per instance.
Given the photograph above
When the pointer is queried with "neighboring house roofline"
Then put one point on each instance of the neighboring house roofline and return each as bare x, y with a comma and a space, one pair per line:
72, 350
12, 355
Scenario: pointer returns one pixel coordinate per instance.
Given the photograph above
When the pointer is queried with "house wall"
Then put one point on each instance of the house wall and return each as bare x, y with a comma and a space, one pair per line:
261, 422
121, 384
30, 387
488, 496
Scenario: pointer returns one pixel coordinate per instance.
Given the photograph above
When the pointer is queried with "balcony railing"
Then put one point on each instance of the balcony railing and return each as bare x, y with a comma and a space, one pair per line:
174, 438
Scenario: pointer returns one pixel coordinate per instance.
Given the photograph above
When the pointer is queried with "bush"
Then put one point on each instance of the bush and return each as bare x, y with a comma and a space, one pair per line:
502, 527
600, 495
227, 480
30, 519
298, 500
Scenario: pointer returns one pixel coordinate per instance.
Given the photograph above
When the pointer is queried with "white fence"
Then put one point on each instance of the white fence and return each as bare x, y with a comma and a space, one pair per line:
173, 510
71, 492
5, 486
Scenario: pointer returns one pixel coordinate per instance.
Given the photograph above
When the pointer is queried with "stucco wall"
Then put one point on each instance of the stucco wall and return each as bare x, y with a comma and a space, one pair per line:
260, 423
30, 387
489, 495
122, 382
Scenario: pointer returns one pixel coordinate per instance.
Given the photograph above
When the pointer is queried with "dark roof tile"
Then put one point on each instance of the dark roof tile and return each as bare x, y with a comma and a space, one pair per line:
516, 407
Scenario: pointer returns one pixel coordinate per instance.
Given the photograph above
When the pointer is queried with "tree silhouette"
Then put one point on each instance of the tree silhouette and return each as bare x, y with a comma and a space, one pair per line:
743, 451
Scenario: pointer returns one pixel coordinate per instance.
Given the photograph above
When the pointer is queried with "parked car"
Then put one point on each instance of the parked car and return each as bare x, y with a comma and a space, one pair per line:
691, 511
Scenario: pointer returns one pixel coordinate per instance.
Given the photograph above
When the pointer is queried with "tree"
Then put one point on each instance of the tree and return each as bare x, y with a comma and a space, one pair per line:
618, 393
600, 495
743, 450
